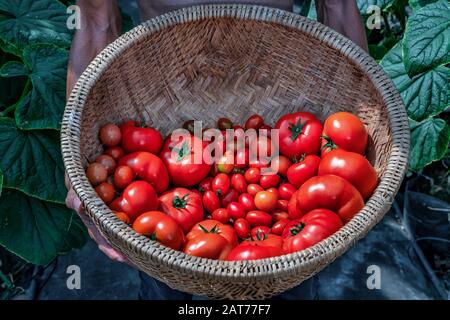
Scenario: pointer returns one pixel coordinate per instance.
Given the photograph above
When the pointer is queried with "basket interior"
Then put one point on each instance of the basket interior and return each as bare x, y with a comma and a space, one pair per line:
223, 67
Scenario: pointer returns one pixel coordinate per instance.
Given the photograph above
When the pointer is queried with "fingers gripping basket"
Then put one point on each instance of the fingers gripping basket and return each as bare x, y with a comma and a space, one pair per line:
207, 62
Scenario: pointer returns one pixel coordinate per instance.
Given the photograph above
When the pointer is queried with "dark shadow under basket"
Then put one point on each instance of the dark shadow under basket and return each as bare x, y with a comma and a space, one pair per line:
214, 61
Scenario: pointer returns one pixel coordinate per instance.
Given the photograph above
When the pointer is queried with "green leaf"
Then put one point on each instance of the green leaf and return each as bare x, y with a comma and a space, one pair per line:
427, 38
364, 5
31, 161
377, 51
1, 182
417, 4
429, 142
27, 22
37, 230
10, 88
43, 107
13, 69
424, 95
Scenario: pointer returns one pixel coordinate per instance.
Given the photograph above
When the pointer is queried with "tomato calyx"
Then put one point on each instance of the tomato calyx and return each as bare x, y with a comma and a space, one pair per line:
180, 203
213, 229
329, 144
297, 229
261, 236
296, 129
300, 159
181, 152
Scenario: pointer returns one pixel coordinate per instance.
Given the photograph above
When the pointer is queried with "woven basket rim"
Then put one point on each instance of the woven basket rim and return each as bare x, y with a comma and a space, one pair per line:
331, 247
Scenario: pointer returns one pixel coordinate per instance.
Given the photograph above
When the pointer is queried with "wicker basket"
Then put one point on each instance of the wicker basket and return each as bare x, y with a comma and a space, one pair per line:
210, 61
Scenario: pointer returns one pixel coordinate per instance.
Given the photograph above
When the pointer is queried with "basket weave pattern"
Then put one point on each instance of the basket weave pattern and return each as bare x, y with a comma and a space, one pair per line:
213, 61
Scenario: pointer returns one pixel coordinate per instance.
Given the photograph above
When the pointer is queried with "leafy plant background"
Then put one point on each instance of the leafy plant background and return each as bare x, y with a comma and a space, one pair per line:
413, 46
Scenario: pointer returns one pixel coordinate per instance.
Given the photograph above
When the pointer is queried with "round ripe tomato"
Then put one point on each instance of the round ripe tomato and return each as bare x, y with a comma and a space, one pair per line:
138, 197
301, 171
241, 159
105, 191
269, 181
238, 183
272, 242
258, 218
230, 196
247, 202
351, 166
253, 189
248, 252
242, 228
160, 227
211, 201
138, 138
259, 232
279, 226
123, 176
280, 164
110, 135
279, 215
299, 134
286, 190
252, 175
310, 229
224, 123
148, 167
236, 210
266, 201
282, 205
254, 122
220, 184
115, 152
182, 205
221, 214
180, 160
122, 217
205, 185
96, 173
208, 245
274, 191
210, 225
346, 131
107, 161
328, 192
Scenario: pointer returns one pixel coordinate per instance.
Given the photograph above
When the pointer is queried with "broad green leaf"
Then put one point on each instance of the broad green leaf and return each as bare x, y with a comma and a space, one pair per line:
44, 105
37, 230
10, 88
13, 69
1, 182
377, 51
27, 22
424, 95
364, 5
427, 38
429, 142
31, 161
417, 4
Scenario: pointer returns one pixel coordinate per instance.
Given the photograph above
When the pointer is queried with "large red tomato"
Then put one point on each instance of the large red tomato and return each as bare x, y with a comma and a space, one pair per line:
148, 167
140, 138
138, 197
184, 160
224, 230
299, 134
327, 192
310, 229
346, 131
249, 252
272, 242
160, 227
301, 171
351, 166
182, 205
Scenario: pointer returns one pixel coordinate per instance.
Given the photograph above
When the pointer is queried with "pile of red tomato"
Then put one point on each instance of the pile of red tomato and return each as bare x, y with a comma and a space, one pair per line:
230, 210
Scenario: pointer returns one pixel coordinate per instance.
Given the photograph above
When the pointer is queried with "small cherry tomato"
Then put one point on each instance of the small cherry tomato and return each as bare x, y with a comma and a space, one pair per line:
220, 184
123, 176
230, 196
241, 160
211, 201
189, 126
221, 214
96, 173
267, 128
224, 123
278, 215
286, 190
280, 164
115, 152
266, 201
254, 122
238, 182
274, 191
247, 202
253, 189
236, 210
110, 135
252, 175
242, 228
269, 181
226, 163
122, 217
258, 218
108, 162
205, 184
214, 170
279, 226
282, 204
259, 232
105, 191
